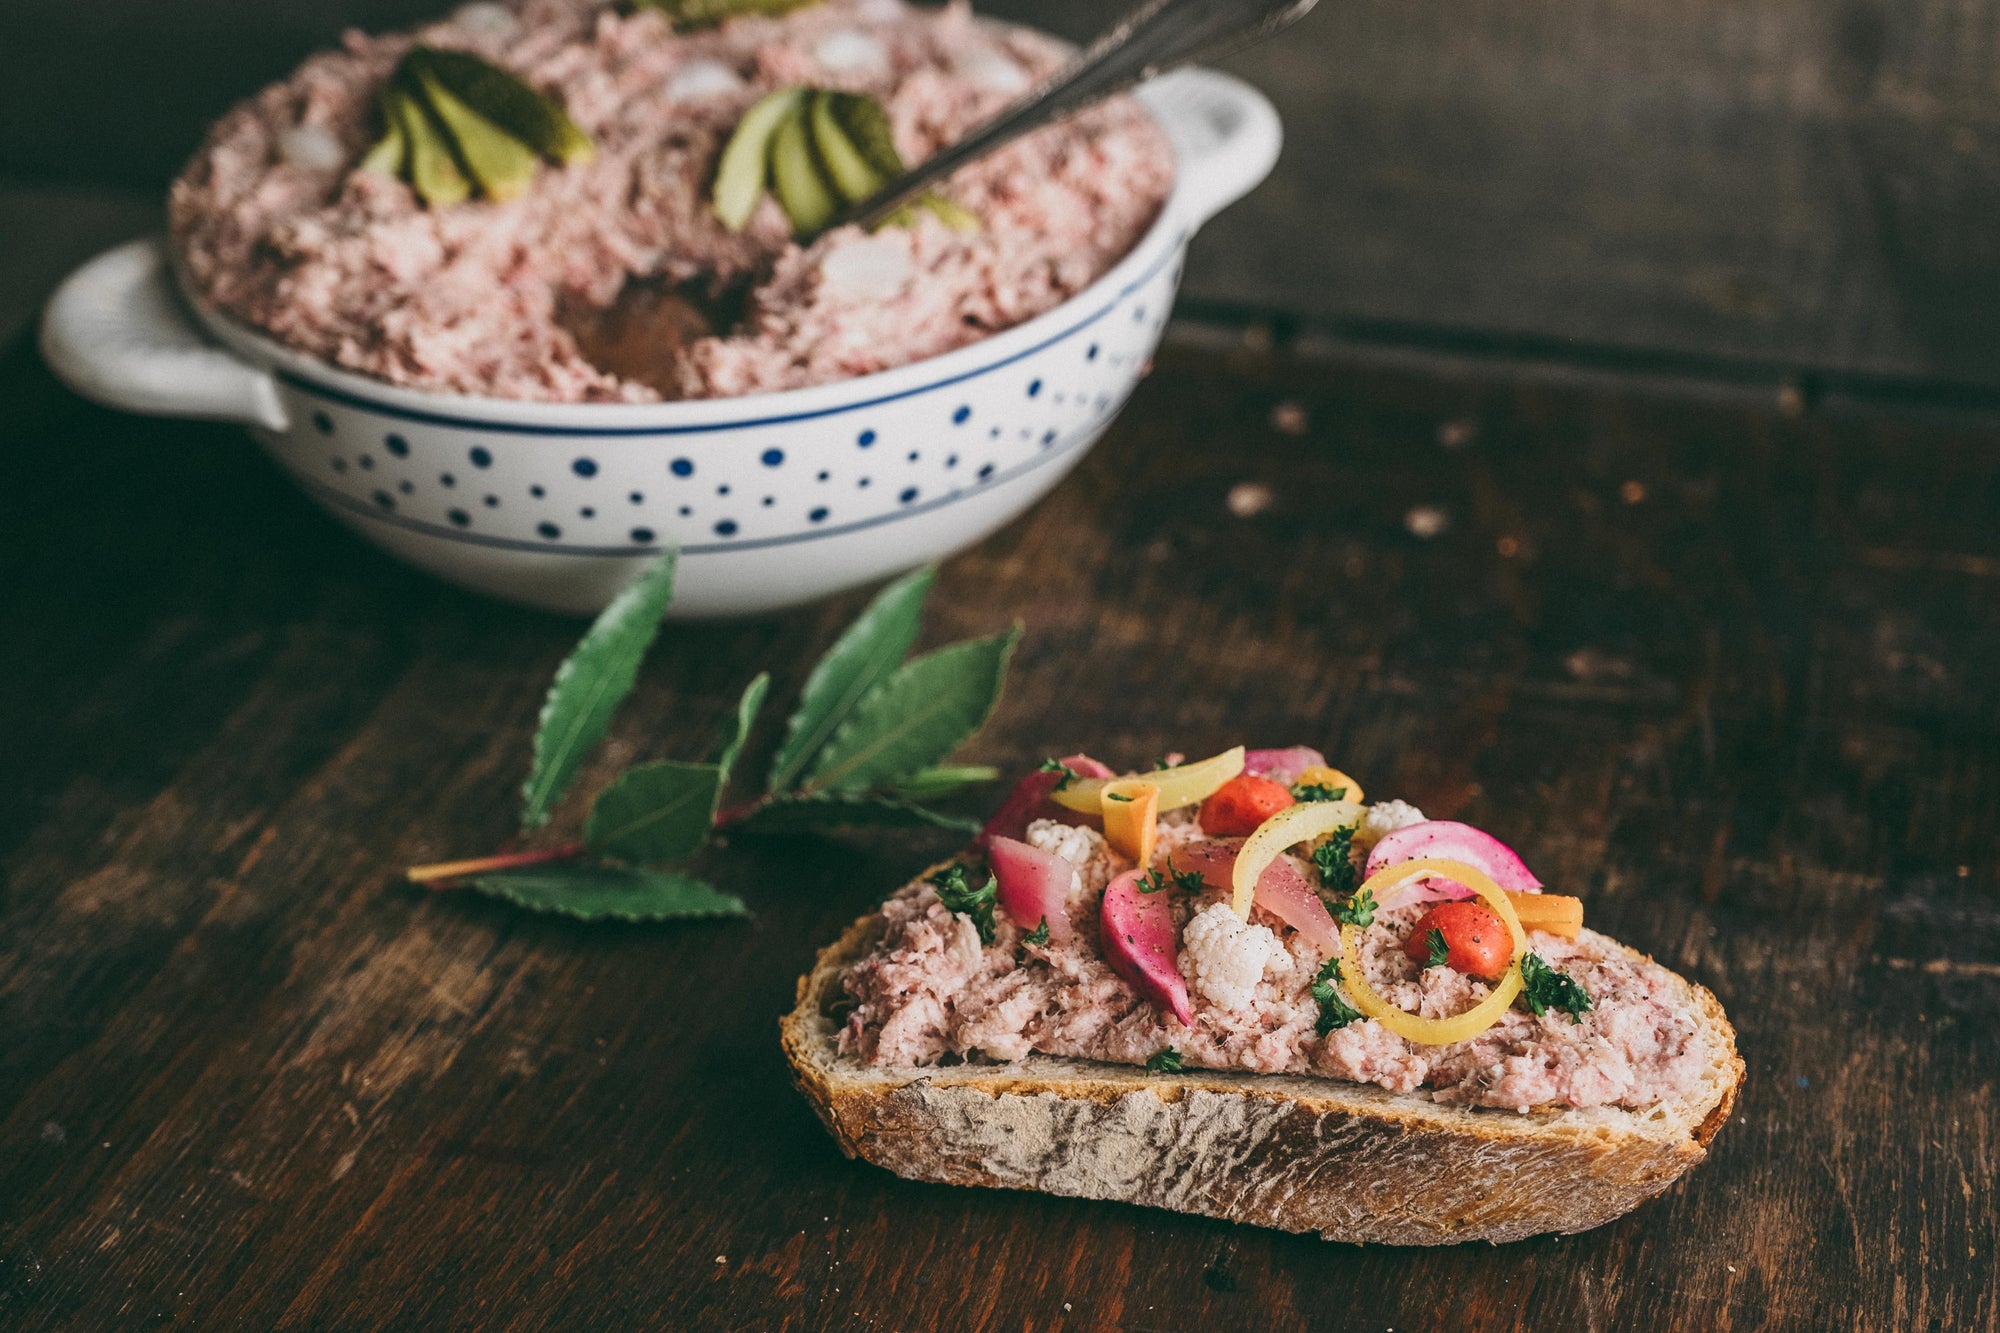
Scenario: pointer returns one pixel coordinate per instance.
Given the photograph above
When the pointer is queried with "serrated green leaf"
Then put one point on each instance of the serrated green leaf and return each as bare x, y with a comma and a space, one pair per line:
654, 812
921, 713
812, 814
943, 781
600, 893
859, 660
747, 709
591, 683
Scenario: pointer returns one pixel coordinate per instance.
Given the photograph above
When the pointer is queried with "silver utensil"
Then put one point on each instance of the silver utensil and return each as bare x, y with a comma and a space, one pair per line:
642, 334
1154, 38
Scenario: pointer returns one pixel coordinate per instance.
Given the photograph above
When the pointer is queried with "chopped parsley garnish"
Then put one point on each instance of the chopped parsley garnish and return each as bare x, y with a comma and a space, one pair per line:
1160, 763
1357, 911
1058, 766
1335, 863
1165, 1062
958, 896
1117, 796
1039, 935
1317, 791
1439, 949
1333, 1011
1187, 881
1544, 988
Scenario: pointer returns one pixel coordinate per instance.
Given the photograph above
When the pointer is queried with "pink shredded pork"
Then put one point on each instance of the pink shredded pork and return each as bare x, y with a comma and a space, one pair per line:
273, 226
930, 991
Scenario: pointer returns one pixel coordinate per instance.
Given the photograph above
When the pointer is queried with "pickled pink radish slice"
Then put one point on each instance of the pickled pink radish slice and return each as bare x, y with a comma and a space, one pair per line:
1034, 885
1282, 890
1030, 801
1139, 943
1282, 765
1447, 840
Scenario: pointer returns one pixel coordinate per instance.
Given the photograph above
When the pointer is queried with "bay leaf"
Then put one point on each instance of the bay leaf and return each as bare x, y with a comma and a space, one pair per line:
814, 814
926, 709
590, 684
747, 709
601, 893
932, 783
654, 812
859, 660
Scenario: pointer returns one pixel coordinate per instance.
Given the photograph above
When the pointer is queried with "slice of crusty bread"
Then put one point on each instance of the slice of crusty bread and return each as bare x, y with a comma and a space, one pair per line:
1353, 1163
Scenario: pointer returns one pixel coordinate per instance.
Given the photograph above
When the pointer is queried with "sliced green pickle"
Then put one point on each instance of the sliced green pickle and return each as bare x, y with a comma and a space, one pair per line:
806, 198
503, 166
746, 158
433, 170
701, 13
866, 126
392, 150
847, 169
508, 103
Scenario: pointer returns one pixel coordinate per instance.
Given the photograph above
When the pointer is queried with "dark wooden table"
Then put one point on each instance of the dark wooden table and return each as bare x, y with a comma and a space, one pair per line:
1723, 662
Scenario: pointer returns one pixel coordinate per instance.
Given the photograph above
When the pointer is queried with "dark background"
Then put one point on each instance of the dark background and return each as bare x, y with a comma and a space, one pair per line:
1727, 185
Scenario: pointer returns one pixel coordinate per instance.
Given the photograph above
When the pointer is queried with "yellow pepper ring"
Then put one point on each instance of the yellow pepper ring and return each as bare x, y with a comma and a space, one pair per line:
1292, 825
1413, 1027
1319, 775
1179, 787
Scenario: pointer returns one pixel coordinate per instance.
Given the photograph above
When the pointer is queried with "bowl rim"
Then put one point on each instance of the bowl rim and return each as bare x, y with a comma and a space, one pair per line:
1164, 239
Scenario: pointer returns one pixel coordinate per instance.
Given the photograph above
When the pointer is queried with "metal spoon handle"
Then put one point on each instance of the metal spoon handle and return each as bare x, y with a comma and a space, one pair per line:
1157, 36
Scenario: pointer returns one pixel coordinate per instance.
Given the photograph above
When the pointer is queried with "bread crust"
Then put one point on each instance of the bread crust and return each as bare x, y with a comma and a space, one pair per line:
1351, 1162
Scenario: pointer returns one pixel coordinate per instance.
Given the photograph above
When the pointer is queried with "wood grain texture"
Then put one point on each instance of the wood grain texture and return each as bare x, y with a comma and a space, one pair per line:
1725, 673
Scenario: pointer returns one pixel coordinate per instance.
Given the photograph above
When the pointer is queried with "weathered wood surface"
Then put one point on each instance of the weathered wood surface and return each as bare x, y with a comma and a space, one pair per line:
1789, 183
1724, 672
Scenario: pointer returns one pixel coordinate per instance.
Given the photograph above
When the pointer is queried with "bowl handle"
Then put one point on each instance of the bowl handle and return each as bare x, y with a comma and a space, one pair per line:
1225, 133
116, 332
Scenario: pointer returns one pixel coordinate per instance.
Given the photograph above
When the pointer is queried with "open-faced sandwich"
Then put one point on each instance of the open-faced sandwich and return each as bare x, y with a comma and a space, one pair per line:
1234, 987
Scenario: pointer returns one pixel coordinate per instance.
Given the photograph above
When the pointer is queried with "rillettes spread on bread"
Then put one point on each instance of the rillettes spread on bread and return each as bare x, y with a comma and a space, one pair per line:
1048, 960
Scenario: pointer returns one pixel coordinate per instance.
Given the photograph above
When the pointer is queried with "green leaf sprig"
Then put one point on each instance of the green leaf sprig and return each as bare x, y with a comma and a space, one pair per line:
1358, 911
959, 896
1334, 1012
864, 747
454, 123
817, 150
1544, 988
1334, 860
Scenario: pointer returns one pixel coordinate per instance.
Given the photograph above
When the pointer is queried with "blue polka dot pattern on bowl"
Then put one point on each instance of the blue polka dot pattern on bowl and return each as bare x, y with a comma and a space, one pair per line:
768, 480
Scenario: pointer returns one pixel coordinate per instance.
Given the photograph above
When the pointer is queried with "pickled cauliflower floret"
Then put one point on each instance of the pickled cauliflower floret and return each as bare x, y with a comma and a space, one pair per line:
1224, 957
1084, 848
1383, 818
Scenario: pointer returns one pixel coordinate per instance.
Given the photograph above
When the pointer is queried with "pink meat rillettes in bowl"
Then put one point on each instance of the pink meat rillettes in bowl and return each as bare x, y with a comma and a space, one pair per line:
774, 499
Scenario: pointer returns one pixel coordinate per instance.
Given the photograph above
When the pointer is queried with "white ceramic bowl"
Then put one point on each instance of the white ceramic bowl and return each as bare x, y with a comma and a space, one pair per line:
774, 499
